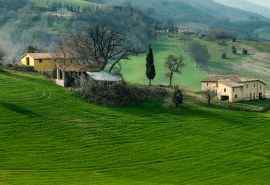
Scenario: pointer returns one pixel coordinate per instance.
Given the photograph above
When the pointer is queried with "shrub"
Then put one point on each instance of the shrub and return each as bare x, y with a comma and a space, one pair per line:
219, 34
234, 50
224, 56
245, 51
50, 74
178, 97
21, 68
2, 54
120, 94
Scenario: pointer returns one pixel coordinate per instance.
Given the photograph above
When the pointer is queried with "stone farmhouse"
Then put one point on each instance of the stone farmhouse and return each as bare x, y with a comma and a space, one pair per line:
234, 88
72, 75
67, 75
44, 62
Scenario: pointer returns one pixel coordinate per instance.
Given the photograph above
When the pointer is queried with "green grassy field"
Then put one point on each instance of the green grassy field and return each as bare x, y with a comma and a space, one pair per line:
49, 136
255, 65
134, 69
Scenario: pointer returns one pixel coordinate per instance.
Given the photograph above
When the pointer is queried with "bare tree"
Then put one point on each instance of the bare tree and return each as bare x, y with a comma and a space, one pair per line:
174, 65
100, 45
2, 54
66, 47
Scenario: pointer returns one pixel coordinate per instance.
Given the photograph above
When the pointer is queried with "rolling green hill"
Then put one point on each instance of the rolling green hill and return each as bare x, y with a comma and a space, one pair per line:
134, 68
42, 23
255, 65
50, 136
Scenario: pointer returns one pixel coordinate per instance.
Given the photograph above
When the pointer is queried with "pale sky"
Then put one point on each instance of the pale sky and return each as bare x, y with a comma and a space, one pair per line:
261, 2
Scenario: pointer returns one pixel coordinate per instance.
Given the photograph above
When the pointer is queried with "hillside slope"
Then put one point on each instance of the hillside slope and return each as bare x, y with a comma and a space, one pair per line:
181, 9
247, 6
50, 136
255, 65
43, 23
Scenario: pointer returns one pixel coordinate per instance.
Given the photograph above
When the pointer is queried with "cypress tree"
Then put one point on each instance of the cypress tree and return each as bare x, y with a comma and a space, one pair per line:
150, 66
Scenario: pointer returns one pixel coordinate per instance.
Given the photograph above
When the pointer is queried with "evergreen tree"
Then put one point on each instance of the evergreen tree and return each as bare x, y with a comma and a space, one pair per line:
224, 56
150, 66
32, 49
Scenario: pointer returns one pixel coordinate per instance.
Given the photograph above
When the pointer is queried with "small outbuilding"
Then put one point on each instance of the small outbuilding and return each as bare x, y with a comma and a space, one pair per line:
70, 75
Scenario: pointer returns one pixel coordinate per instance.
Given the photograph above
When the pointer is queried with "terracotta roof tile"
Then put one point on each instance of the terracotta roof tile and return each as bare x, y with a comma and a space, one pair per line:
230, 80
79, 67
47, 55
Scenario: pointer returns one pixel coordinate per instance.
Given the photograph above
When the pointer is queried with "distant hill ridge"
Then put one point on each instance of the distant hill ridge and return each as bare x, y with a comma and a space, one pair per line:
247, 6
180, 9
40, 22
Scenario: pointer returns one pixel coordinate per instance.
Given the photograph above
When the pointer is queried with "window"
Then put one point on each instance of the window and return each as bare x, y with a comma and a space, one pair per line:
247, 86
235, 96
27, 61
207, 84
233, 89
39, 61
225, 90
60, 74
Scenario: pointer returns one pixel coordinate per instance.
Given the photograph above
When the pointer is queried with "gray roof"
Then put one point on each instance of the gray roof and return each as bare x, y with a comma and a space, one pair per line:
104, 76
231, 80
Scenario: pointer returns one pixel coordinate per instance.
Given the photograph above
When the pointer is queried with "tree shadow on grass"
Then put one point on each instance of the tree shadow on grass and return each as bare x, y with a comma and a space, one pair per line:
194, 111
19, 109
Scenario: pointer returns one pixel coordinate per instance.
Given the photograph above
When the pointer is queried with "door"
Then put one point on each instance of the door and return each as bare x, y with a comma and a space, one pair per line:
27, 61
260, 96
224, 98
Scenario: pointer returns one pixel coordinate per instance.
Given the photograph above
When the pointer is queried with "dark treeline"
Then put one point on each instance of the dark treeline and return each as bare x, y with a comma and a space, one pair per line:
24, 24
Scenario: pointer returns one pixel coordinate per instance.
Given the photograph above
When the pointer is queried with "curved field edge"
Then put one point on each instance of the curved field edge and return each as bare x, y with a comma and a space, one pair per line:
50, 136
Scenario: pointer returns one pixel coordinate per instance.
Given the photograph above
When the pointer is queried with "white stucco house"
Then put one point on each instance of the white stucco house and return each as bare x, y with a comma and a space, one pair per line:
235, 88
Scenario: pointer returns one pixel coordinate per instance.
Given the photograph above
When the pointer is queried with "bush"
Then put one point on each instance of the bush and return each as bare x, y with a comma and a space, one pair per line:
2, 54
120, 94
50, 74
21, 68
178, 97
220, 34
224, 56
234, 50
245, 51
